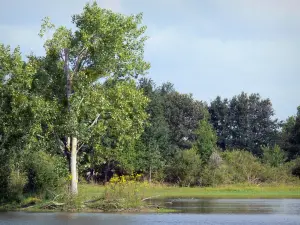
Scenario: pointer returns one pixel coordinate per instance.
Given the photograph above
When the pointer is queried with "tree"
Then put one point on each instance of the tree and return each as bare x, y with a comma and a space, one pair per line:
273, 156
182, 113
242, 166
244, 122
219, 113
123, 118
23, 115
206, 140
290, 136
185, 169
155, 141
105, 45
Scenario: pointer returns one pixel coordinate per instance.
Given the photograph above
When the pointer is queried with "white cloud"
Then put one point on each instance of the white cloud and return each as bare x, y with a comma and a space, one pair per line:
209, 67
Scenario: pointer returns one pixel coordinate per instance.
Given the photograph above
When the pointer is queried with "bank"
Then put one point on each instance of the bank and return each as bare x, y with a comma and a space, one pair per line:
90, 197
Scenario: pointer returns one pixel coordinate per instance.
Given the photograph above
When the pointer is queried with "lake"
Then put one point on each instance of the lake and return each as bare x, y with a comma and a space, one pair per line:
190, 211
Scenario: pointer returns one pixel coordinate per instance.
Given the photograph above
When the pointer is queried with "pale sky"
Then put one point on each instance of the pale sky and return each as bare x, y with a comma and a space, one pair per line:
204, 47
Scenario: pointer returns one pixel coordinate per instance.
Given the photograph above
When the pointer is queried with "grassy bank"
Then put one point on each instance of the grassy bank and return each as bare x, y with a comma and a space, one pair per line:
233, 191
88, 192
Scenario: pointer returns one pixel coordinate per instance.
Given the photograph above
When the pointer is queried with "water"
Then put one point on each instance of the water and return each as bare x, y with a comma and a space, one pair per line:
232, 206
191, 212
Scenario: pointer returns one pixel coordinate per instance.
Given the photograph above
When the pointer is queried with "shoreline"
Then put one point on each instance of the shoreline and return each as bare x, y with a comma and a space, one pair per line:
155, 191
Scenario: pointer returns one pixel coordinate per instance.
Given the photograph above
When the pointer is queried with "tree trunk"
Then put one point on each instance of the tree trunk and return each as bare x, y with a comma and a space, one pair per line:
74, 180
73, 157
150, 174
106, 172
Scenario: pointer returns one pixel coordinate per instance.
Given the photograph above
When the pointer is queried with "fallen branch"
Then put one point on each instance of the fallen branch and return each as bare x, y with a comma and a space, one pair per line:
144, 199
52, 205
94, 200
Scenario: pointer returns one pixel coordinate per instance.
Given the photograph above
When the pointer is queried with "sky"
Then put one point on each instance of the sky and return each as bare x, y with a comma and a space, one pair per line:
208, 48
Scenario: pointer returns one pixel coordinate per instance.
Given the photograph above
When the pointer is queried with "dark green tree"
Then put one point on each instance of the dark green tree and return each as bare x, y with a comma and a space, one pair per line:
182, 114
244, 122
206, 141
290, 136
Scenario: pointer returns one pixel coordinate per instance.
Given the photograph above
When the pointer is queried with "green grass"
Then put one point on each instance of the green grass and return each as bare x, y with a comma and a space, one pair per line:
234, 191
91, 192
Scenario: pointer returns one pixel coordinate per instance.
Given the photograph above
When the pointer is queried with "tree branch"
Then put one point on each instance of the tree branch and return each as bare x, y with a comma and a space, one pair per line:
61, 56
95, 120
80, 147
81, 55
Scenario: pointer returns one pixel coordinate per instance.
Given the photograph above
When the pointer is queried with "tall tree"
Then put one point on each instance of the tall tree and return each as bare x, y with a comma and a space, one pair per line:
182, 113
206, 141
219, 113
290, 136
155, 141
23, 113
104, 45
245, 122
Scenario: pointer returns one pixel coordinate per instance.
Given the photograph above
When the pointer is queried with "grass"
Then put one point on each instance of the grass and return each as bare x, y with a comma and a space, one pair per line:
233, 191
239, 191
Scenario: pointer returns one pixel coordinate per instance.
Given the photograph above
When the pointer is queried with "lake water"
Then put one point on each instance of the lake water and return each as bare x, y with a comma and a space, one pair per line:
191, 211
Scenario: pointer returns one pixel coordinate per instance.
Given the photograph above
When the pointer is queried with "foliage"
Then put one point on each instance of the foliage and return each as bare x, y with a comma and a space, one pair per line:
46, 174
242, 167
122, 193
273, 156
16, 183
290, 136
214, 173
185, 169
295, 167
206, 140
182, 114
244, 122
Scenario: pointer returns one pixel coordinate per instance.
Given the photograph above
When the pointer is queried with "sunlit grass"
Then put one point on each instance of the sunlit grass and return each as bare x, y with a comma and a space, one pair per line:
230, 191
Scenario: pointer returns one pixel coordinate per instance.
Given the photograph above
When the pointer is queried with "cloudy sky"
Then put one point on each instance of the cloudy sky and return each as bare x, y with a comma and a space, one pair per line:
204, 47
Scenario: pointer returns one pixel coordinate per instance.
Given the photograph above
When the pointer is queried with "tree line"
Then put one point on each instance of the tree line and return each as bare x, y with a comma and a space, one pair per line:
85, 111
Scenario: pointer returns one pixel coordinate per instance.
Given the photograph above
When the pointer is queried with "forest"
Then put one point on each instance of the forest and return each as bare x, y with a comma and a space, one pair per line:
87, 112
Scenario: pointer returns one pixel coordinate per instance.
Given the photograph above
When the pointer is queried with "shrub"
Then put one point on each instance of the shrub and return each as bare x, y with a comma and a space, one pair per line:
206, 140
243, 167
121, 193
215, 172
16, 184
295, 167
280, 174
46, 173
273, 156
185, 169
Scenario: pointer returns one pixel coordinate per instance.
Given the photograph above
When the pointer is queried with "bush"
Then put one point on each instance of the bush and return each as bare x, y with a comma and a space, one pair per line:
46, 174
243, 167
16, 183
122, 193
280, 174
273, 156
295, 167
185, 169
215, 172
12, 180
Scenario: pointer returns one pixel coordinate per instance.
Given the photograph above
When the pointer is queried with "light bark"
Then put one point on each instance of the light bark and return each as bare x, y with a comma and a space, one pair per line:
74, 179
74, 141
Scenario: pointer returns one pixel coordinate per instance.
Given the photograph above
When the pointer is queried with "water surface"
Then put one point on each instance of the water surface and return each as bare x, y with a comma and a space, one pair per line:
191, 212
232, 206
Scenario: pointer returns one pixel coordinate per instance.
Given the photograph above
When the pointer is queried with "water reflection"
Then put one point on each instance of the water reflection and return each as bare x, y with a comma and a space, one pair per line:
21, 218
236, 206
195, 211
